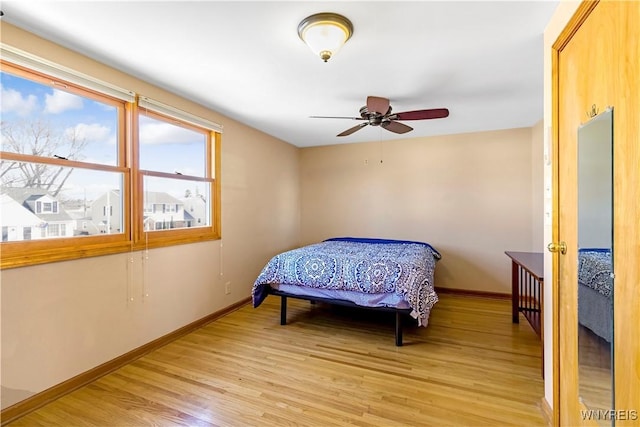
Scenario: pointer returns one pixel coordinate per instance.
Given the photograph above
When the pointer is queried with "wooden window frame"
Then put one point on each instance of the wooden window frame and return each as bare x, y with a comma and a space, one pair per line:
33, 252
166, 237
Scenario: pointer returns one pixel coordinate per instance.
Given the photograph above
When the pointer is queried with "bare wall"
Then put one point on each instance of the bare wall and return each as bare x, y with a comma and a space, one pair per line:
537, 186
61, 319
469, 195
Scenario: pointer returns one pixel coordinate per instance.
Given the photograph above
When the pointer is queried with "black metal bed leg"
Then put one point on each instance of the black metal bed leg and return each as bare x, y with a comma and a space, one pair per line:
398, 329
283, 310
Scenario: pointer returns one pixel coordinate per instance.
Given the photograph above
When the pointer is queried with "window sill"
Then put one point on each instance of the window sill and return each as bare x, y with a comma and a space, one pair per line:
24, 257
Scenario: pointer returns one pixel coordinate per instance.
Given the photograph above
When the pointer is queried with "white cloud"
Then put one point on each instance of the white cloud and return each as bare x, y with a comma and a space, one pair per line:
90, 132
166, 133
113, 140
14, 102
61, 101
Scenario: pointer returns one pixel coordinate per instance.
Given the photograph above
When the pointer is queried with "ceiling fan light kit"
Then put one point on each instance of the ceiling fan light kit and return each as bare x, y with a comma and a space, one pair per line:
325, 33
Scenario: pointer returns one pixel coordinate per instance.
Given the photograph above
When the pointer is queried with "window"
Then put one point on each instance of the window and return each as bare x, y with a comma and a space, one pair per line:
177, 169
69, 155
62, 147
53, 230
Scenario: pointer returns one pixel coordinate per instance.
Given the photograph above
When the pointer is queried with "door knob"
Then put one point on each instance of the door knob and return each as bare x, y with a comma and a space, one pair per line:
557, 247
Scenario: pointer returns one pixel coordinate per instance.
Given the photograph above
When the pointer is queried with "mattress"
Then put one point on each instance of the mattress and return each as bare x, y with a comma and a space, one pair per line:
368, 272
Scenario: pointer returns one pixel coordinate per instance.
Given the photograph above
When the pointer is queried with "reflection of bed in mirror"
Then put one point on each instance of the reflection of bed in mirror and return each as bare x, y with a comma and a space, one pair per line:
595, 317
595, 293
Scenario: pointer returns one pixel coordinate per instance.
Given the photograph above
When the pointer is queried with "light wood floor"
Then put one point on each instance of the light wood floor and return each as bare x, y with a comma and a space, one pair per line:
329, 366
594, 370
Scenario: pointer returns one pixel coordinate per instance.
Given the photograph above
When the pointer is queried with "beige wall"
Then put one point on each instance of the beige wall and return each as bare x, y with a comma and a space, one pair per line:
537, 186
469, 195
61, 319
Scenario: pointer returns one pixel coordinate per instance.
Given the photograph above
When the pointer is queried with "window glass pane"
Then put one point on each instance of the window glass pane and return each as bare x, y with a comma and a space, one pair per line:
44, 121
175, 203
76, 206
167, 147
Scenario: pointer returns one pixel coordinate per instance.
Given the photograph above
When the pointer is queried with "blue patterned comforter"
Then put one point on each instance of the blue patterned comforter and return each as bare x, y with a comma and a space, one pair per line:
362, 265
594, 270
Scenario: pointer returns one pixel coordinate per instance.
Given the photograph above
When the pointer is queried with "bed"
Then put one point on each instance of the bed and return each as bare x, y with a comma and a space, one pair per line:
595, 291
379, 274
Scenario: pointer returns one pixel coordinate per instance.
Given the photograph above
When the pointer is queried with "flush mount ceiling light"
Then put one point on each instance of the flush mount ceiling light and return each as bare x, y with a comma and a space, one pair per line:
325, 33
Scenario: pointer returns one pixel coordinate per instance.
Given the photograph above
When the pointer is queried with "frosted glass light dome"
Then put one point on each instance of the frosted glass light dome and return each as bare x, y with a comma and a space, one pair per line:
325, 33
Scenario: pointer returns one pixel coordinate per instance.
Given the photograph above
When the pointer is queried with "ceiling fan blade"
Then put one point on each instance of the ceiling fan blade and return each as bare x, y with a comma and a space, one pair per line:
335, 117
436, 113
396, 127
375, 104
353, 129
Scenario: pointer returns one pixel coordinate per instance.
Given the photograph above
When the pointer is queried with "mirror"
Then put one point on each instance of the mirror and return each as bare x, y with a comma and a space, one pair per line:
595, 262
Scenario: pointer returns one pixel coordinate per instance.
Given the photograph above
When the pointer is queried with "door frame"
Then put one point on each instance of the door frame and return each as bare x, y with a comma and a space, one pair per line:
578, 18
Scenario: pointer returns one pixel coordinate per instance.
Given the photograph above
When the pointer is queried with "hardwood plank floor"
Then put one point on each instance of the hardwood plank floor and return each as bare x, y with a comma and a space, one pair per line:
329, 366
594, 370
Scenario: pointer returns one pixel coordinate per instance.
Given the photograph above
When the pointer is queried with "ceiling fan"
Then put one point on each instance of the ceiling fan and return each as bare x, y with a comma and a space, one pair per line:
377, 112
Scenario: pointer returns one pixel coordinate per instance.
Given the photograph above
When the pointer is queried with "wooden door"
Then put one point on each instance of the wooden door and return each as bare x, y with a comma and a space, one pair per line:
597, 62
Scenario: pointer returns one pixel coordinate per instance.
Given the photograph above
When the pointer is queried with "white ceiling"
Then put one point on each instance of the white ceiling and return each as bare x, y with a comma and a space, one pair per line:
482, 60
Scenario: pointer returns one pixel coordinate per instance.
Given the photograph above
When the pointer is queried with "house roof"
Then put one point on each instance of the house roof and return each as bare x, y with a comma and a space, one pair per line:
26, 197
13, 213
21, 195
160, 197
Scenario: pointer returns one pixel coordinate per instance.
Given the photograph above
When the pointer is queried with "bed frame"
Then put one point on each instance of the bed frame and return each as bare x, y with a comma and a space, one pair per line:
283, 309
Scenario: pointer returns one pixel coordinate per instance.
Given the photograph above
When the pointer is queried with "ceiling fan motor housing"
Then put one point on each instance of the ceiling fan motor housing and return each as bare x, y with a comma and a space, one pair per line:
374, 118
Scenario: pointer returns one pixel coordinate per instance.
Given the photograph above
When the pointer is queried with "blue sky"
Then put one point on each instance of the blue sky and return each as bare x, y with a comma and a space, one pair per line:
163, 146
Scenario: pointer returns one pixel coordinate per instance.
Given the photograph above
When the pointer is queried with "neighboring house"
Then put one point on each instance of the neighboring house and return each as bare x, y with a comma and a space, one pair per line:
17, 221
29, 214
80, 211
106, 214
84, 225
196, 208
163, 211
53, 220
